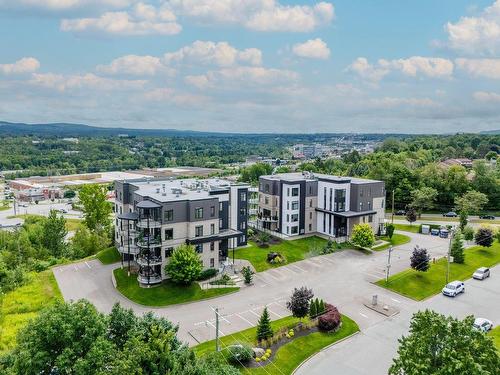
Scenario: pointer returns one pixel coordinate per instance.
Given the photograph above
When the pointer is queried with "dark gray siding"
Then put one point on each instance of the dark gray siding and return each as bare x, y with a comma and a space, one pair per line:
364, 193
242, 213
205, 204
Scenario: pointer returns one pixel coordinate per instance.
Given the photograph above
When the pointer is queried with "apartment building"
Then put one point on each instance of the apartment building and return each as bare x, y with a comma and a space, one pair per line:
154, 216
304, 203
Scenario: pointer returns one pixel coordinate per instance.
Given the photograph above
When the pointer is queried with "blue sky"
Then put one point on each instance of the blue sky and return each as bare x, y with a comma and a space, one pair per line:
253, 65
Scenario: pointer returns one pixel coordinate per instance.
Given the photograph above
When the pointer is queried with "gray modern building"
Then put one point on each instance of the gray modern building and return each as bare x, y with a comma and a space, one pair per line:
304, 203
154, 216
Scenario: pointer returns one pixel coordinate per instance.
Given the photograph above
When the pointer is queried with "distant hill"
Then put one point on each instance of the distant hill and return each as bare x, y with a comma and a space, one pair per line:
491, 132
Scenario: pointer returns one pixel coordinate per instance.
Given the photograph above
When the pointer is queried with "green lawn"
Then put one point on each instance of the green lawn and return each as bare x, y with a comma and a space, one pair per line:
293, 251
71, 224
396, 240
414, 228
166, 294
420, 285
289, 356
109, 255
23, 304
4, 205
495, 335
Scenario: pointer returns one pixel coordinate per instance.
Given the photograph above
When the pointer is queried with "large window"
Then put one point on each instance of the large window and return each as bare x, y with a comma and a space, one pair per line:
340, 196
212, 228
198, 231
169, 234
295, 230
295, 205
168, 252
199, 248
168, 215
212, 211
243, 197
295, 218
295, 192
198, 213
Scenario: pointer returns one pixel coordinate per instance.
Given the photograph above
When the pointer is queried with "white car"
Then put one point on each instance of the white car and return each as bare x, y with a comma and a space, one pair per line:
481, 273
483, 325
454, 288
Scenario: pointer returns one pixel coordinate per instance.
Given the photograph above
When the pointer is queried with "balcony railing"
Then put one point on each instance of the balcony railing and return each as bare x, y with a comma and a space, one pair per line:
153, 260
268, 218
148, 223
153, 279
124, 249
153, 241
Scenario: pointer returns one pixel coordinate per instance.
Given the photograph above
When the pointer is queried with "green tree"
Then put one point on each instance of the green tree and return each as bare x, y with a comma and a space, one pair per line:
468, 233
299, 302
264, 329
440, 345
96, 208
419, 259
471, 202
247, 274
184, 266
484, 237
463, 217
362, 235
313, 308
423, 198
85, 243
457, 249
411, 215
389, 230
54, 233
252, 173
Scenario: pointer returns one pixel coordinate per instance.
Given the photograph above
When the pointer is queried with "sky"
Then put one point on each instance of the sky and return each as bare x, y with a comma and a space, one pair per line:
301, 66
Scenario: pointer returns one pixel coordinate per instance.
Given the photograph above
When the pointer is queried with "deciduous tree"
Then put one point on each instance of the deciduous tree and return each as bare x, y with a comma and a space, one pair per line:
419, 260
362, 235
96, 209
484, 237
54, 233
185, 265
299, 302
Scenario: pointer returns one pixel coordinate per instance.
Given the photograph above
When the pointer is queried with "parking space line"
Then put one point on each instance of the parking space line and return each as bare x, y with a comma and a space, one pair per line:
363, 315
75, 267
245, 320
253, 312
395, 300
222, 333
300, 269
278, 315
88, 265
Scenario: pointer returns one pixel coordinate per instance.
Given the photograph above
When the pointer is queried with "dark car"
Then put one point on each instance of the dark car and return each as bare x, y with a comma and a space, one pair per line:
450, 214
487, 217
400, 212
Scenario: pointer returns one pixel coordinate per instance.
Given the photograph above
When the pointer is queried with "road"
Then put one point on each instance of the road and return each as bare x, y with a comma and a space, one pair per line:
36, 209
343, 279
371, 351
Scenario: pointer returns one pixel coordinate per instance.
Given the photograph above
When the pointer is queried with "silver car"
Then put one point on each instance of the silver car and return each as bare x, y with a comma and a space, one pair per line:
454, 288
483, 325
481, 273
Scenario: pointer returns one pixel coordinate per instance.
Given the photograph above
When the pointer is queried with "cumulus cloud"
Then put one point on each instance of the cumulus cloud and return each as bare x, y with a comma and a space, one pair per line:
488, 97
313, 49
260, 15
135, 65
24, 65
476, 35
391, 102
86, 81
142, 19
220, 54
62, 5
488, 68
414, 66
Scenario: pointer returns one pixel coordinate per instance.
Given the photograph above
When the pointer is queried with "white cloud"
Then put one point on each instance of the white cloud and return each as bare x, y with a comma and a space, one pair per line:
220, 54
62, 5
365, 70
489, 68
313, 49
86, 81
24, 65
260, 15
170, 95
135, 65
142, 19
414, 66
391, 102
488, 97
242, 75
477, 35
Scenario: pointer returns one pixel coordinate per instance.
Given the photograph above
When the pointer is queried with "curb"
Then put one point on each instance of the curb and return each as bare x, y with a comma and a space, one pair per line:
323, 349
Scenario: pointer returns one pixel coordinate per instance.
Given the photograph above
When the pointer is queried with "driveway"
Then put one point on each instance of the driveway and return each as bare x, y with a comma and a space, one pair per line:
343, 279
371, 351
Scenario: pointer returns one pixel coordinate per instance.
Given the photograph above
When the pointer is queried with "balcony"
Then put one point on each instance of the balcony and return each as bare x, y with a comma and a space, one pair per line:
152, 279
125, 250
148, 223
269, 219
142, 260
145, 241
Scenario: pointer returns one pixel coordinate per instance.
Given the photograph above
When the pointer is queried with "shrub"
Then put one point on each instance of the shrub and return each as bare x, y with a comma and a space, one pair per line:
299, 302
207, 274
484, 237
184, 266
329, 320
264, 329
362, 235
389, 230
239, 354
419, 260
468, 233
247, 274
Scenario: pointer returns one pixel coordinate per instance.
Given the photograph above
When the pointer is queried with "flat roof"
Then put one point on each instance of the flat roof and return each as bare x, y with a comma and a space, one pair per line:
298, 176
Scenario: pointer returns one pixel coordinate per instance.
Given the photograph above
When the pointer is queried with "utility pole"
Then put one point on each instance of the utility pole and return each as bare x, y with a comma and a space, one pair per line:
392, 216
452, 230
388, 265
217, 348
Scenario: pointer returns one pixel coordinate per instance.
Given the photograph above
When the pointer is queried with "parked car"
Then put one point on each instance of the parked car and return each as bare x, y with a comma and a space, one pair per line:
450, 214
481, 273
63, 211
482, 324
487, 217
454, 288
400, 212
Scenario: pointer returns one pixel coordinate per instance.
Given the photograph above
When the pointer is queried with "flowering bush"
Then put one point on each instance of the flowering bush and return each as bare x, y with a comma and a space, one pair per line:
329, 320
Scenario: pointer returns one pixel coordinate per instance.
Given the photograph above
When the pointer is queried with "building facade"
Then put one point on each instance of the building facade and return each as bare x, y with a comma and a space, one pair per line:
154, 216
304, 203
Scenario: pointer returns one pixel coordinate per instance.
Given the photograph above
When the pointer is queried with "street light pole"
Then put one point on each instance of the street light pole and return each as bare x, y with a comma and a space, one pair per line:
392, 216
217, 348
388, 265
452, 230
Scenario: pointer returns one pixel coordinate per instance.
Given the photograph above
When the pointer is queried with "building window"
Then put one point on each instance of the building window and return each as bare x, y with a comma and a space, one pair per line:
243, 238
198, 213
212, 211
243, 197
310, 203
169, 234
310, 215
382, 204
212, 246
212, 228
266, 188
369, 205
361, 206
221, 223
310, 189
310, 227
370, 218
199, 248
288, 192
243, 211
340, 197
295, 230
295, 218
364, 219
266, 200
168, 252
295, 192
295, 205
243, 225
221, 206
287, 230
168, 215
212, 262
198, 231
287, 205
